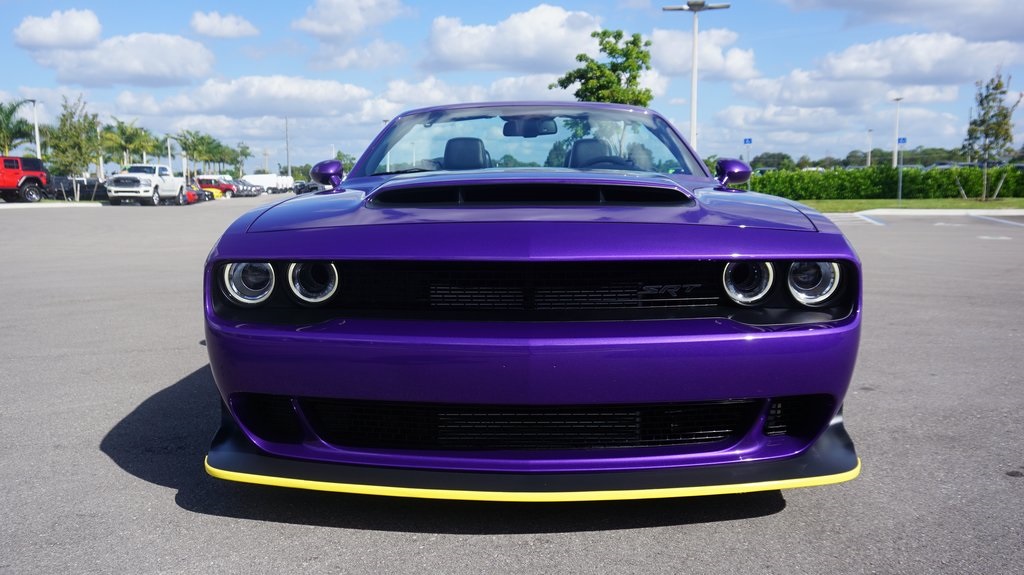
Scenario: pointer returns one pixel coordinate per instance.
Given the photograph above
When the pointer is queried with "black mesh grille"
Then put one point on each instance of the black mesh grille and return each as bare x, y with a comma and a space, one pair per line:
269, 417
461, 427
798, 416
499, 288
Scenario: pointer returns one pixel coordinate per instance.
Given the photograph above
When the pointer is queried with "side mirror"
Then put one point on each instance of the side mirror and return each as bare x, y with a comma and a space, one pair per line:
329, 173
731, 172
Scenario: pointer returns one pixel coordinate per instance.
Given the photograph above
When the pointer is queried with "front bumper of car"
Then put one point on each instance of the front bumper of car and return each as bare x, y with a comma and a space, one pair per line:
520, 368
130, 192
830, 460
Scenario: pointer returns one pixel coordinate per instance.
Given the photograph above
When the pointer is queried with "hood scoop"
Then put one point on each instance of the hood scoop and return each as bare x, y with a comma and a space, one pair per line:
520, 194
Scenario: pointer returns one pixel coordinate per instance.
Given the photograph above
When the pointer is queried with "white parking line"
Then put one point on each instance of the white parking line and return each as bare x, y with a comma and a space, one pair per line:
869, 219
998, 220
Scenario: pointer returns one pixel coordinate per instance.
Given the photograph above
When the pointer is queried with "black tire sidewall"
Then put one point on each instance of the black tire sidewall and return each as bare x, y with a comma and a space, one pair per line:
31, 193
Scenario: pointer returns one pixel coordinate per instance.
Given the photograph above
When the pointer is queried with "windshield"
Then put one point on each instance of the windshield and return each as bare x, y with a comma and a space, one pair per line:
141, 170
531, 137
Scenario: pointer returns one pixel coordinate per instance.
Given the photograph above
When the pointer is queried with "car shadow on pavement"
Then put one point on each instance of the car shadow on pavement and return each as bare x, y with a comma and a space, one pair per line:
164, 440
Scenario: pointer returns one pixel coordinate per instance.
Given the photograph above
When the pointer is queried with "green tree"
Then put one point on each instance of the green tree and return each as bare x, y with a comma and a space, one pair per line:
14, 130
990, 133
126, 139
189, 142
347, 160
300, 173
557, 153
778, 160
244, 153
617, 80
75, 144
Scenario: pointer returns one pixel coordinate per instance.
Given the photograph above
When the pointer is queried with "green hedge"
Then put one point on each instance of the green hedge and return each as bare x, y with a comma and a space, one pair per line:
881, 183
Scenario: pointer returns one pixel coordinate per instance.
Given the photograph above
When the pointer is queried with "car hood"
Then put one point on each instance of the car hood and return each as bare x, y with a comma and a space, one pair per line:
690, 200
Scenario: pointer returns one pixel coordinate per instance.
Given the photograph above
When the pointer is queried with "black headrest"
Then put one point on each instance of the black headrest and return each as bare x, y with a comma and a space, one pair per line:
584, 151
465, 154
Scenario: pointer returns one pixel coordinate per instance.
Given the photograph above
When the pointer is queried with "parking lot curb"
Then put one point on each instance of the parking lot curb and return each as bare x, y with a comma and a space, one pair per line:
17, 206
942, 212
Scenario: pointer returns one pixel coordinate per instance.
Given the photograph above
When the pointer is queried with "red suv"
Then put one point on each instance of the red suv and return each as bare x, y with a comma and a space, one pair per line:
24, 179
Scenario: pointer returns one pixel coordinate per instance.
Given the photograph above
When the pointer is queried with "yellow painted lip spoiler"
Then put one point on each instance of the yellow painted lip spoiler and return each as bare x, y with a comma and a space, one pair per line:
831, 459
532, 496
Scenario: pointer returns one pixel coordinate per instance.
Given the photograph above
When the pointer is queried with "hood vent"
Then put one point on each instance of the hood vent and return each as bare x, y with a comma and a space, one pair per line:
528, 194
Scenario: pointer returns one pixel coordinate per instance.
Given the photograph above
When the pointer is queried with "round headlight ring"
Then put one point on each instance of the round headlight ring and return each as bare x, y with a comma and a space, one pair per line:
313, 282
248, 283
813, 283
748, 282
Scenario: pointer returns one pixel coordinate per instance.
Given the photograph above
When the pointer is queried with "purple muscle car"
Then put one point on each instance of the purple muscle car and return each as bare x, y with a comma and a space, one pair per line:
533, 302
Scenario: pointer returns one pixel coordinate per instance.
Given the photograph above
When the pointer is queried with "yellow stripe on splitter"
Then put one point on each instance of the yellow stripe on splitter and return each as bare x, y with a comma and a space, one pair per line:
532, 496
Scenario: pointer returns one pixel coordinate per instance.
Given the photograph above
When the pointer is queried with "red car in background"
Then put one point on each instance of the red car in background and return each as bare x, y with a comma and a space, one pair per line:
209, 182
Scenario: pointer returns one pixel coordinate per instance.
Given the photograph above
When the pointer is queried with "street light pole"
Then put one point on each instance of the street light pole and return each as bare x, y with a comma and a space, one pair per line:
869, 147
896, 138
35, 124
694, 7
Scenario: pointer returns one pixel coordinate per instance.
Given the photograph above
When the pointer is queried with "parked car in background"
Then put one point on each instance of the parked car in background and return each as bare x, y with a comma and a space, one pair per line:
89, 189
245, 188
226, 189
306, 187
148, 184
200, 194
249, 188
23, 179
617, 322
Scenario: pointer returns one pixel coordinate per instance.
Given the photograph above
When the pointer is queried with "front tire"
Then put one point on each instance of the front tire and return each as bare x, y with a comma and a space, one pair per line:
31, 193
227, 194
114, 201
154, 200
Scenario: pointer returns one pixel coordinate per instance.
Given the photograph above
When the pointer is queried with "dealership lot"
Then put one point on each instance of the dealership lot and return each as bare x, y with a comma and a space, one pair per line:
109, 408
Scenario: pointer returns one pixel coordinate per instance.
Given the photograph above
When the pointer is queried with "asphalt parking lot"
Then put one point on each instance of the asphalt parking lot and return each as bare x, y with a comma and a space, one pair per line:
109, 406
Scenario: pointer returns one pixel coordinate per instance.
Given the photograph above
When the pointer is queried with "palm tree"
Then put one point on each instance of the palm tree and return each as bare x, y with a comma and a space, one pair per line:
188, 140
14, 130
244, 153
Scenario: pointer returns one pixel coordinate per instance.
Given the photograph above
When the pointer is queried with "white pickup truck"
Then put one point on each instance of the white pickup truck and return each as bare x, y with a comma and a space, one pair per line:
149, 184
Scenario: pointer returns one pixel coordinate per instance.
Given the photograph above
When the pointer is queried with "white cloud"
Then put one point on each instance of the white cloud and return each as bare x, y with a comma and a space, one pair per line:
792, 118
531, 87
430, 91
69, 29
925, 94
267, 95
655, 81
672, 53
374, 55
812, 88
543, 39
334, 19
222, 26
978, 19
139, 59
433, 91
922, 58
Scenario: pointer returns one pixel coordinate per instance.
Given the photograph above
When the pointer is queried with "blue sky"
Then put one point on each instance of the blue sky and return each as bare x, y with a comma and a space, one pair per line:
797, 76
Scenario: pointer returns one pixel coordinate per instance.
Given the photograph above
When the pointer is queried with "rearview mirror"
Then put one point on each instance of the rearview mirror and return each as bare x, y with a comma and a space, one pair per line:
529, 127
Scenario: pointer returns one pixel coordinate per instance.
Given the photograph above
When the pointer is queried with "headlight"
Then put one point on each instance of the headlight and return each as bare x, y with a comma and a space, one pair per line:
313, 282
748, 282
248, 283
812, 283
145, 181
